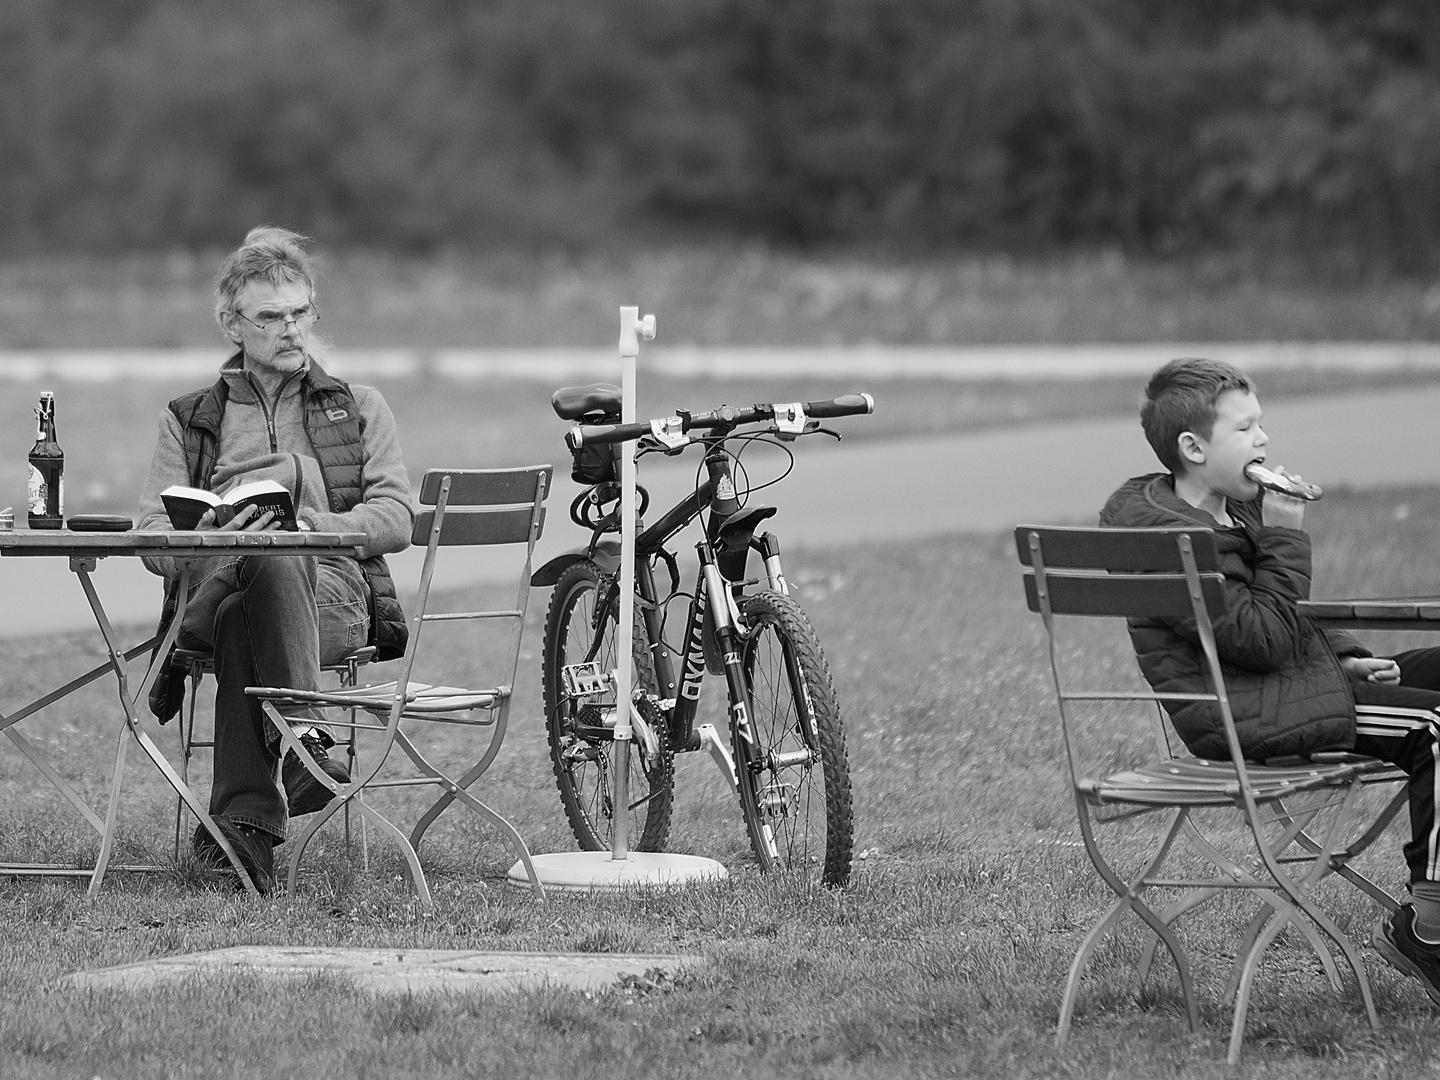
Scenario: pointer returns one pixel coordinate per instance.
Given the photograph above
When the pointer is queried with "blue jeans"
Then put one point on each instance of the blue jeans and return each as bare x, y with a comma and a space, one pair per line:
271, 620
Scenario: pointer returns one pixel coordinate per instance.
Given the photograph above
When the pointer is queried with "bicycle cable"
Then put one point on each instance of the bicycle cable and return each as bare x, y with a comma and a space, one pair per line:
763, 437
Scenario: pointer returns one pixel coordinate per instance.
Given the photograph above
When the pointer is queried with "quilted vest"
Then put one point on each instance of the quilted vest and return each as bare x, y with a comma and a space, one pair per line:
340, 452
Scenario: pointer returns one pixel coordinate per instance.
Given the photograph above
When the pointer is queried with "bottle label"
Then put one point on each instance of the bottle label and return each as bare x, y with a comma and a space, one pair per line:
38, 491
41, 493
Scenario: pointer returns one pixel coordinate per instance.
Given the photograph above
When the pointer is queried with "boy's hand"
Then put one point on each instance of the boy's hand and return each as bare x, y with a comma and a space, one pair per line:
1376, 669
1283, 510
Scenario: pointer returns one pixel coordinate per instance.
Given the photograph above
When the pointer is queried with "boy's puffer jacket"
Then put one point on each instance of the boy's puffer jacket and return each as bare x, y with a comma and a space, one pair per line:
1287, 691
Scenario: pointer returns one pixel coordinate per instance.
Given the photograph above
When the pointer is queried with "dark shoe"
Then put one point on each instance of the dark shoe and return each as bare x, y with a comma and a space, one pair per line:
254, 847
303, 793
1395, 940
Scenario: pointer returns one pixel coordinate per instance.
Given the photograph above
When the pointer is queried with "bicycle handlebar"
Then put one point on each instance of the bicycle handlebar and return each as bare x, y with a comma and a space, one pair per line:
726, 417
845, 405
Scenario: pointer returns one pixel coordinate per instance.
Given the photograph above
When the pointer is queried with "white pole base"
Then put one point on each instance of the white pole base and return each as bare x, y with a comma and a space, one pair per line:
586, 871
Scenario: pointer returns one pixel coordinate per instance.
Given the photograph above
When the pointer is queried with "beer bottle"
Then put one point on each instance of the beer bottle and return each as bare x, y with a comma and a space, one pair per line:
47, 467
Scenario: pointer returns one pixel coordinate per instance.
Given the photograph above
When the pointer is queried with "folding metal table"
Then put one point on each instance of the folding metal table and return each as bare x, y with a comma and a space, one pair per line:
84, 550
1379, 613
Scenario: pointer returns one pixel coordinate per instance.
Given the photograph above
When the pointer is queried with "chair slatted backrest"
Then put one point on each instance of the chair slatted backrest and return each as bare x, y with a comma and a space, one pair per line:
478, 507
483, 506
1130, 573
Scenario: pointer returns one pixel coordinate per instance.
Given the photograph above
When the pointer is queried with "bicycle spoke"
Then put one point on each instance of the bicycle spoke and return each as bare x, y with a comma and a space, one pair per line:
580, 628
795, 780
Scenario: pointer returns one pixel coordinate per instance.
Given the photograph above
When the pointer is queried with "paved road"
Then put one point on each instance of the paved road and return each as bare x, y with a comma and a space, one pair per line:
844, 493
556, 366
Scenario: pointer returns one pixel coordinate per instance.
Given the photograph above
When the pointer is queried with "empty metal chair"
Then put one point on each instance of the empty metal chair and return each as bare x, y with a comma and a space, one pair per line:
462, 507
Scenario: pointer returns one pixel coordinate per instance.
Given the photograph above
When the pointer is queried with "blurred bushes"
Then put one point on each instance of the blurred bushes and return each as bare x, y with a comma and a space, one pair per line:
1298, 126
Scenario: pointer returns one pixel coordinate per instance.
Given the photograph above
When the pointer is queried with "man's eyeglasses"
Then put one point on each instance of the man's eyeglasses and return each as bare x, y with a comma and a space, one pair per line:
273, 322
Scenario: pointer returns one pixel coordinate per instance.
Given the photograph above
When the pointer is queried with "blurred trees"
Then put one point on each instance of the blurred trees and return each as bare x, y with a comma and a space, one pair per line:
1309, 126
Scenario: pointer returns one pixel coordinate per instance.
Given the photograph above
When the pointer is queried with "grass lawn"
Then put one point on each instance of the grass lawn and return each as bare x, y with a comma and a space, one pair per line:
945, 957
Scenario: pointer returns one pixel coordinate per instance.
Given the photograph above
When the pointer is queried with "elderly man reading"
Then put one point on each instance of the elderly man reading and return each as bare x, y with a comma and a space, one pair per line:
275, 414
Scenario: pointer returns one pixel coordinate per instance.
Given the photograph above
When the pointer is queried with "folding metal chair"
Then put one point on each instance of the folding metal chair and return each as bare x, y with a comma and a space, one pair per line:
469, 507
1297, 818
195, 664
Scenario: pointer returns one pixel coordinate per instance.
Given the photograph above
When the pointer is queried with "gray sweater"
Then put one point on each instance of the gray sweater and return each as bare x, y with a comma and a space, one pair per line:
257, 439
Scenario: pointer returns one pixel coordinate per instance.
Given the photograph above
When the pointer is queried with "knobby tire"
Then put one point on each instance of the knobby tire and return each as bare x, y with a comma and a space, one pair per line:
798, 816
583, 767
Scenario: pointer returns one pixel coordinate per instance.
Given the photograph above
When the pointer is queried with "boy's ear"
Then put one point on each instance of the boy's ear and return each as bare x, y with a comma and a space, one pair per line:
1192, 448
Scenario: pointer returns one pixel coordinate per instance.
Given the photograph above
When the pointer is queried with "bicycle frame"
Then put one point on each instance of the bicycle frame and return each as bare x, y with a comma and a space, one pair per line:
713, 628
783, 752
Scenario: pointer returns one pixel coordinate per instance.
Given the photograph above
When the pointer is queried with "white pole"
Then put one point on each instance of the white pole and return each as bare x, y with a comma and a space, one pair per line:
632, 327
587, 871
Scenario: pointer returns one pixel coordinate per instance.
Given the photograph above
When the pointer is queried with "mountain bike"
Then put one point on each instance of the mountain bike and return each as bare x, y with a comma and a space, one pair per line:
786, 757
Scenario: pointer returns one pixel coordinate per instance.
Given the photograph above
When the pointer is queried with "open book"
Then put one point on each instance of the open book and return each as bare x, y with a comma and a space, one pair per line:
186, 505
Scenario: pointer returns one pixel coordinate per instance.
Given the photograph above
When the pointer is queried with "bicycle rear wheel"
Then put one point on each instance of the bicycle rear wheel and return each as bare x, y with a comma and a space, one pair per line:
793, 773
582, 610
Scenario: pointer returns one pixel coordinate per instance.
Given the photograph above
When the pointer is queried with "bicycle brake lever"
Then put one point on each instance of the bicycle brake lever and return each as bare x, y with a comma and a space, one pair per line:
647, 445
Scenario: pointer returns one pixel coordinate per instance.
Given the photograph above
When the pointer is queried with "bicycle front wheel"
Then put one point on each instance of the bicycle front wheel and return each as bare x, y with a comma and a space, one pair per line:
580, 626
793, 773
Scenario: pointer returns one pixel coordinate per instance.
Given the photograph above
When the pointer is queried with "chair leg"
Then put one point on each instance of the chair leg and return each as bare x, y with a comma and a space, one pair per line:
1340, 860
1270, 923
351, 677
412, 859
472, 774
184, 776
187, 742
341, 801
511, 833
1299, 893
1249, 962
456, 791
354, 761
1128, 893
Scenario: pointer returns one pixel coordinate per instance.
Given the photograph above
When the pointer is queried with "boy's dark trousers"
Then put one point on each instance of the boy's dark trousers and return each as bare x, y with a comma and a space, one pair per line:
1401, 724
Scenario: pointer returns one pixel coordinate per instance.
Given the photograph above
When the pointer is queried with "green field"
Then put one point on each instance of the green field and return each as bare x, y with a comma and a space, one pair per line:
945, 956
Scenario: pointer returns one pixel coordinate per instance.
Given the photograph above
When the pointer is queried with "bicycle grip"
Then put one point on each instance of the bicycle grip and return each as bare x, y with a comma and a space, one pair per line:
845, 405
594, 434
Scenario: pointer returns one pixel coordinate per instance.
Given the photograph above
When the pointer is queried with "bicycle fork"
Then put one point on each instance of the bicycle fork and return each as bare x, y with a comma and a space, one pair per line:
713, 595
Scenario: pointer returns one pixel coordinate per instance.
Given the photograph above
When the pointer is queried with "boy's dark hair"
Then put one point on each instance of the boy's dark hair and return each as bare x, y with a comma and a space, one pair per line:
1181, 397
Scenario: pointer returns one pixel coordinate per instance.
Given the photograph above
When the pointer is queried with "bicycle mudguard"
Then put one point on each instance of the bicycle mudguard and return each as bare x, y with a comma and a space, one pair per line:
732, 540
606, 556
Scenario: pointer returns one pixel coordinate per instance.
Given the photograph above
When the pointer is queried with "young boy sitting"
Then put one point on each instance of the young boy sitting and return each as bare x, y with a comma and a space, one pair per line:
1294, 689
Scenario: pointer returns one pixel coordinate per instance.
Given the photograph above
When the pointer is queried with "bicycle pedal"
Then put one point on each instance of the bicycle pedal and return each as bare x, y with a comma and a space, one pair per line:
585, 680
578, 750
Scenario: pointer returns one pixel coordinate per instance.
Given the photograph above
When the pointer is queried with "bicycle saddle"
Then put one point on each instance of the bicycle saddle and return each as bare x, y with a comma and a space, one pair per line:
574, 402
